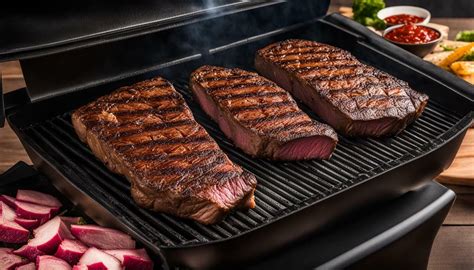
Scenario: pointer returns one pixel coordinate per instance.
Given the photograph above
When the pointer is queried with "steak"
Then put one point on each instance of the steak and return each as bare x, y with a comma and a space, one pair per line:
147, 133
354, 98
259, 117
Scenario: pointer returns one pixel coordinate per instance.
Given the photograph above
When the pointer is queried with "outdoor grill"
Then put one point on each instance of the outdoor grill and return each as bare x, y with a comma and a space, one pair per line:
296, 201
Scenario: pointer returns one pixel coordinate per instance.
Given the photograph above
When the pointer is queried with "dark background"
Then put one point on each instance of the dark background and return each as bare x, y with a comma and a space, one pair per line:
438, 8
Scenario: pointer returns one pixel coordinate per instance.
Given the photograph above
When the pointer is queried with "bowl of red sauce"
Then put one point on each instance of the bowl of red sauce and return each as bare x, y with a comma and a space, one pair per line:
415, 38
403, 19
398, 15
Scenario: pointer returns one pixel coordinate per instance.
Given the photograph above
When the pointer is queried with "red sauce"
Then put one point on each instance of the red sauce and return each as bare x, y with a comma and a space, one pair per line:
413, 34
403, 19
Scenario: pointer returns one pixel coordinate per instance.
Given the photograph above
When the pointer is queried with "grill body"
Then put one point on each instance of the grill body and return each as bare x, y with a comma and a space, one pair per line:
379, 236
376, 238
293, 198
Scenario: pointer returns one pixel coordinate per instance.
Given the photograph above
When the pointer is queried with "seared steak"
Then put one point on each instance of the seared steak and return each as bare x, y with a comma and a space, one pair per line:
147, 133
259, 117
355, 99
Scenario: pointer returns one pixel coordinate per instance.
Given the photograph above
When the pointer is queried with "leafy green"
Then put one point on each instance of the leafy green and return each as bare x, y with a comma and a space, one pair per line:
375, 23
365, 12
467, 35
367, 8
446, 48
468, 56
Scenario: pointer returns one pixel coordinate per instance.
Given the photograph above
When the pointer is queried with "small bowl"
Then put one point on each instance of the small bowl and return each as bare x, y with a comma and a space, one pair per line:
410, 10
420, 49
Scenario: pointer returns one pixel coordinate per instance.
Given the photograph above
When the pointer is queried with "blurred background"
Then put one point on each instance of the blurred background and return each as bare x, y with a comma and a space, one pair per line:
438, 8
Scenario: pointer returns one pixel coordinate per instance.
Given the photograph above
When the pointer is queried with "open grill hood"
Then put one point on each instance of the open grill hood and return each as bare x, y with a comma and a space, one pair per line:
293, 198
47, 28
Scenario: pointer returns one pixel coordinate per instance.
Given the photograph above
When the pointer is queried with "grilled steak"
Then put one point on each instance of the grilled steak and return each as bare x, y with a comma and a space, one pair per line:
147, 133
355, 99
261, 118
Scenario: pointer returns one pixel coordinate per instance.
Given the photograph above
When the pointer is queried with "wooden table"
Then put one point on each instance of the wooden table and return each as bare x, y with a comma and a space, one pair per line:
454, 244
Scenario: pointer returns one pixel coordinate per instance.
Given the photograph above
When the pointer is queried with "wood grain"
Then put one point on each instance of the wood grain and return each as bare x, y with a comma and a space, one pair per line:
455, 25
462, 212
453, 248
461, 172
11, 150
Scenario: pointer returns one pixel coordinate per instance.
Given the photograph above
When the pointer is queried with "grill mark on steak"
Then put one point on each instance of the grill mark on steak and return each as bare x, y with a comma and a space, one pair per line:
307, 52
200, 167
307, 70
217, 88
354, 98
250, 109
304, 55
131, 120
326, 60
96, 123
206, 78
125, 100
339, 77
288, 45
251, 95
363, 85
146, 128
152, 143
150, 111
293, 126
153, 87
272, 118
321, 57
323, 63
262, 106
140, 89
100, 105
157, 157
147, 132
134, 95
319, 62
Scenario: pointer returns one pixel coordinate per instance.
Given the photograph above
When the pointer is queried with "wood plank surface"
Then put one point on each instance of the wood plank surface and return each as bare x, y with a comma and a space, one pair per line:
455, 24
461, 172
453, 249
11, 150
454, 244
462, 212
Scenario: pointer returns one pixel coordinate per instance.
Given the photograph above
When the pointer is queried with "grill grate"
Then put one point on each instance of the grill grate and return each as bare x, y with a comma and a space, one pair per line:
282, 186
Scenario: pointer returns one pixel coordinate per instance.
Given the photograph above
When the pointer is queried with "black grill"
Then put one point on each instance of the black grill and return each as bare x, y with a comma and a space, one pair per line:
293, 199
283, 187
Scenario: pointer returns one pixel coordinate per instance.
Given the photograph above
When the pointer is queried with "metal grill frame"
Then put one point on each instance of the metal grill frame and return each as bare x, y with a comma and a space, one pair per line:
404, 165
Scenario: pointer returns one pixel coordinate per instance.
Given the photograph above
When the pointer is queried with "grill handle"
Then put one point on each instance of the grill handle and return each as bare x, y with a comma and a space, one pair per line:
19, 171
11, 100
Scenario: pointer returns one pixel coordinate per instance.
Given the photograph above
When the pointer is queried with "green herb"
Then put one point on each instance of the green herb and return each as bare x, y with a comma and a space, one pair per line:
375, 23
465, 36
446, 48
468, 56
365, 12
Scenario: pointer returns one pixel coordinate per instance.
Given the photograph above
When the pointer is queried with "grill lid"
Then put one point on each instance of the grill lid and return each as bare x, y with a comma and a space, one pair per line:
47, 28
51, 34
